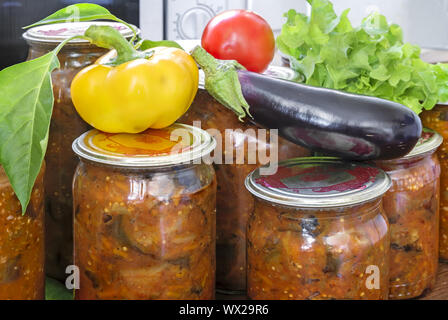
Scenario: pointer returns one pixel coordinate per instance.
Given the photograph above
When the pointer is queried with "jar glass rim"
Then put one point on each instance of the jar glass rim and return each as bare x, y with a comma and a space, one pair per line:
58, 32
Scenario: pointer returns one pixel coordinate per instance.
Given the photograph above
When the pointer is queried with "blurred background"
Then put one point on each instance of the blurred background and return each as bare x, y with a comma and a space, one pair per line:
424, 22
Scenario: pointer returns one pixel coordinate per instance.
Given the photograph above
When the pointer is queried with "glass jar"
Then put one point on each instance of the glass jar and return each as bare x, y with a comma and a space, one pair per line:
144, 218
412, 207
437, 120
66, 125
234, 202
318, 231
22, 252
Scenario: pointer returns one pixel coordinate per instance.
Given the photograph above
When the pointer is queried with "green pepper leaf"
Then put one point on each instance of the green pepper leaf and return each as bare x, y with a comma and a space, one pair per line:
75, 13
26, 104
55, 290
81, 12
148, 44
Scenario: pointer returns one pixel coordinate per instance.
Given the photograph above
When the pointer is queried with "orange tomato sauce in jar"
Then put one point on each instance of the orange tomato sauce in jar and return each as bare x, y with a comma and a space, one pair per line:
66, 125
318, 231
144, 215
234, 202
412, 207
21, 243
437, 120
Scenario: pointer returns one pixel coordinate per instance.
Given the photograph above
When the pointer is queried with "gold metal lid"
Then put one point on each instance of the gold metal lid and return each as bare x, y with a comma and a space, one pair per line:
177, 144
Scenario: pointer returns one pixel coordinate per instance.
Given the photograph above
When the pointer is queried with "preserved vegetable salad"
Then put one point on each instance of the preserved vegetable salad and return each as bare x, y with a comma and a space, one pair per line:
412, 207
22, 253
437, 119
318, 231
234, 202
65, 126
145, 216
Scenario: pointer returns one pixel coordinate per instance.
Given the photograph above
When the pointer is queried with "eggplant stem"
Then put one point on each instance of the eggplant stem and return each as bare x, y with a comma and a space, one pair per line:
221, 81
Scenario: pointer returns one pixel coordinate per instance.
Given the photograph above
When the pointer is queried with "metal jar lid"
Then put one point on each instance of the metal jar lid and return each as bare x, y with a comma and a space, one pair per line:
58, 32
272, 71
177, 144
428, 143
319, 182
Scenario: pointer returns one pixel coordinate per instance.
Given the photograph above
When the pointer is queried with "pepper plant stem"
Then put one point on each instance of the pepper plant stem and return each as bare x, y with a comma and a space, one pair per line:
110, 38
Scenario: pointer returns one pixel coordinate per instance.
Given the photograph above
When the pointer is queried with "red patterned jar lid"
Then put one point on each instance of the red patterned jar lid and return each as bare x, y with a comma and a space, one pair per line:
319, 182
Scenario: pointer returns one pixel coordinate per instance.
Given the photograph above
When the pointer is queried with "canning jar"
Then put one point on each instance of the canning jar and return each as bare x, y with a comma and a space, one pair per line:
437, 120
234, 202
144, 215
412, 207
318, 231
22, 252
66, 125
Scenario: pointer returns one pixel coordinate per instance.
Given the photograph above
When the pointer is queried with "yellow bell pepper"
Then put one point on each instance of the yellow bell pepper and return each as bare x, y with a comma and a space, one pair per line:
147, 92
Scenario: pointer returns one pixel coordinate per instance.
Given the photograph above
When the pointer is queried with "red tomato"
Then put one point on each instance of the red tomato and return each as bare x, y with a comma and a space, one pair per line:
240, 35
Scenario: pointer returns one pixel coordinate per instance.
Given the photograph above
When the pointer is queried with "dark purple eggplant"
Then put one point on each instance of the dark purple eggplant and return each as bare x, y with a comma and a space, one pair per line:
326, 121
330, 121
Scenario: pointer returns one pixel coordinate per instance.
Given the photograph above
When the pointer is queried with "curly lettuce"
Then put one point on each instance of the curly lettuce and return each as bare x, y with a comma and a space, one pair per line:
371, 59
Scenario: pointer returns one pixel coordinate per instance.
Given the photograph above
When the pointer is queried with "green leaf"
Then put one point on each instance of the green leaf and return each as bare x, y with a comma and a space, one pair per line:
55, 290
359, 58
323, 16
339, 76
370, 59
344, 25
375, 24
308, 64
148, 44
294, 30
75, 13
81, 12
380, 73
26, 104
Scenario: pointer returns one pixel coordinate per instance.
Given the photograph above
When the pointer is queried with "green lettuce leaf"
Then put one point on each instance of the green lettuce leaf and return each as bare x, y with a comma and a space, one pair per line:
371, 59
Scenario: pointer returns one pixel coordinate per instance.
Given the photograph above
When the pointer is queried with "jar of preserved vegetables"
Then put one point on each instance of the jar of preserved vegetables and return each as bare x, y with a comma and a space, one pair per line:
144, 215
412, 207
234, 202
66, 126
437, 119
22, 254
318, 231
